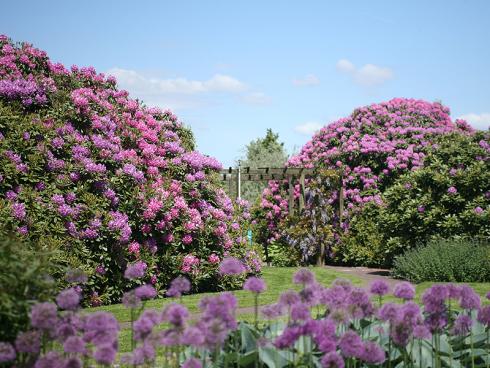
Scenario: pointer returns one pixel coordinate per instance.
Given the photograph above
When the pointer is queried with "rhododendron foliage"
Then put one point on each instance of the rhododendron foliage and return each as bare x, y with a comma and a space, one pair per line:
107, 178
371, 147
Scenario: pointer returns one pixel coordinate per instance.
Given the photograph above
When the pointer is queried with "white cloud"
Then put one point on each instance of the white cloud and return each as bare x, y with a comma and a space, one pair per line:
369, 75
478, 121
175, 93
308, 128
307, 80
256, 98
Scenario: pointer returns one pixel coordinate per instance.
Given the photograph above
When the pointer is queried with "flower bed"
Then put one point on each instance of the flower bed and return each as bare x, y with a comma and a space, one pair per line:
338, 326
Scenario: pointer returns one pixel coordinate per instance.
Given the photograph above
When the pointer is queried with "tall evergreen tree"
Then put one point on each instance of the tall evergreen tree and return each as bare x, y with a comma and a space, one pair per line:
262, 152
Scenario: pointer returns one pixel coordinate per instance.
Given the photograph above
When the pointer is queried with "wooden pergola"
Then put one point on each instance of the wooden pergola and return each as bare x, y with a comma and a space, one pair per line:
291, 174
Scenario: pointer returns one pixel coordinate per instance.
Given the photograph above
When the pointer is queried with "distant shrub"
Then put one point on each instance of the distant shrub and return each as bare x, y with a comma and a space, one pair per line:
24, 280
281, 255
454, 260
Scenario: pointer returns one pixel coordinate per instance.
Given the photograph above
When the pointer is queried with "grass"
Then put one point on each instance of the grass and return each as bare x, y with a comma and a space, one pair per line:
278, 280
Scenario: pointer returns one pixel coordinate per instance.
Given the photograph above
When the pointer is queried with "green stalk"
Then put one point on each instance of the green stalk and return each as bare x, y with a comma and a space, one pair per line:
472, 347
420, 353
256, 308
488, 342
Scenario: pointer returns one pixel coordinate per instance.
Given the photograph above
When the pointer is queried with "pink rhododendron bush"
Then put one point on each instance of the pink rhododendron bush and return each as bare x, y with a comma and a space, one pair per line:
381, 152
105, 181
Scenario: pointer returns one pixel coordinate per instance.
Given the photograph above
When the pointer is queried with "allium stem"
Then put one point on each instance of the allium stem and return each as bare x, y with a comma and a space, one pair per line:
488, 348
256, 309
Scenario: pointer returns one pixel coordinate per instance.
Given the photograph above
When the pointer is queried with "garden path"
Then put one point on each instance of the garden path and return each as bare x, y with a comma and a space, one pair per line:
366, 274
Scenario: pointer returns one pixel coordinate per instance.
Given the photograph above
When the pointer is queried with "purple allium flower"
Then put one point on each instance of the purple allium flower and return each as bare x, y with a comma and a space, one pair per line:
304, 277
175, 314
76, 276
484, 316
373, 353
68, 299
74, 344
7, 352
100, 323
379, 287
300, 312
462, 325
271, 311
469, 299
73, 362
388, 312
289, 336
351, 344
51, 359
142, 327
105, 354
478, 210
289, 297
332, 360
192, 336
404, 290
255, 285
192, 363
28, 342
452, 190
44, 315
145, 292
231, 266
135, 270
130, 300
180, 285
421, 332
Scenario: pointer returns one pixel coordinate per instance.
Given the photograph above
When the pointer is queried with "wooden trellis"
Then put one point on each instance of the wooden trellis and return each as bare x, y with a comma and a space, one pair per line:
291, 174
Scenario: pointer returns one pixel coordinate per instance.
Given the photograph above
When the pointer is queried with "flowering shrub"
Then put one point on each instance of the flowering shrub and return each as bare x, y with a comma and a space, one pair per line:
449, 196
372, 147
112, 180
337, 326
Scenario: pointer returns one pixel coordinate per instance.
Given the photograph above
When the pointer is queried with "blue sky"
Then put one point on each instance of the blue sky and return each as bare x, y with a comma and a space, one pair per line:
232, 69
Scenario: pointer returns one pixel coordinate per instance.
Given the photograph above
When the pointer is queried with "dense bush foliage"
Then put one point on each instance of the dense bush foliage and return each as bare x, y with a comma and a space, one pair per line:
449, 196
380, 150
108, 179
25, 279
454, 260
332, 327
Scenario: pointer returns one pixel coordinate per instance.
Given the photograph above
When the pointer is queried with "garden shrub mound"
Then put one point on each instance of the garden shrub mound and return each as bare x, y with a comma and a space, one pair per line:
107, 180
454, 260
372, 148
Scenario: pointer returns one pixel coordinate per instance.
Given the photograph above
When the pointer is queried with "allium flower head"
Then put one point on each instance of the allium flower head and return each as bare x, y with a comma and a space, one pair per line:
231, 266
130, 300
404, 290
379, 287
255, 285
421, 332
180, 285
192, 363
304, 277
145, 292
469, 299
462, 325
135, 270
68, 299
74, 344
289, 298
7, 352
44, 315
176, 314
351, 344
105, 354
373, 353
28, 342
332, 360
484, 316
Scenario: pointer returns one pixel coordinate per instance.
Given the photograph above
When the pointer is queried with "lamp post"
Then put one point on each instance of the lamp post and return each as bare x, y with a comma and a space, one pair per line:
239, 179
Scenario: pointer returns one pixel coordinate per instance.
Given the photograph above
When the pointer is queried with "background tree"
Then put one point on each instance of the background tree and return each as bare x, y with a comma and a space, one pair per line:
262, 152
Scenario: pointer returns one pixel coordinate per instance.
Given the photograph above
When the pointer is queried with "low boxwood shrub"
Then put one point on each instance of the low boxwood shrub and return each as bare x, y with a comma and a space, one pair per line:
446, 260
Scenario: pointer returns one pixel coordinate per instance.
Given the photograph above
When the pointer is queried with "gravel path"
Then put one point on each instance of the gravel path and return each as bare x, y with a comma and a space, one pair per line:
366, 274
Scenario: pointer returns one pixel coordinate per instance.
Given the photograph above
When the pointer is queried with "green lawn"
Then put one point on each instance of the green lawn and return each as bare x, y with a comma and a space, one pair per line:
278, 280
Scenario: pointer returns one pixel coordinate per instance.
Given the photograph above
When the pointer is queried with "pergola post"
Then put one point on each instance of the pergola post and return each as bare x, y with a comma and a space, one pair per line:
291, 194
301, 191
